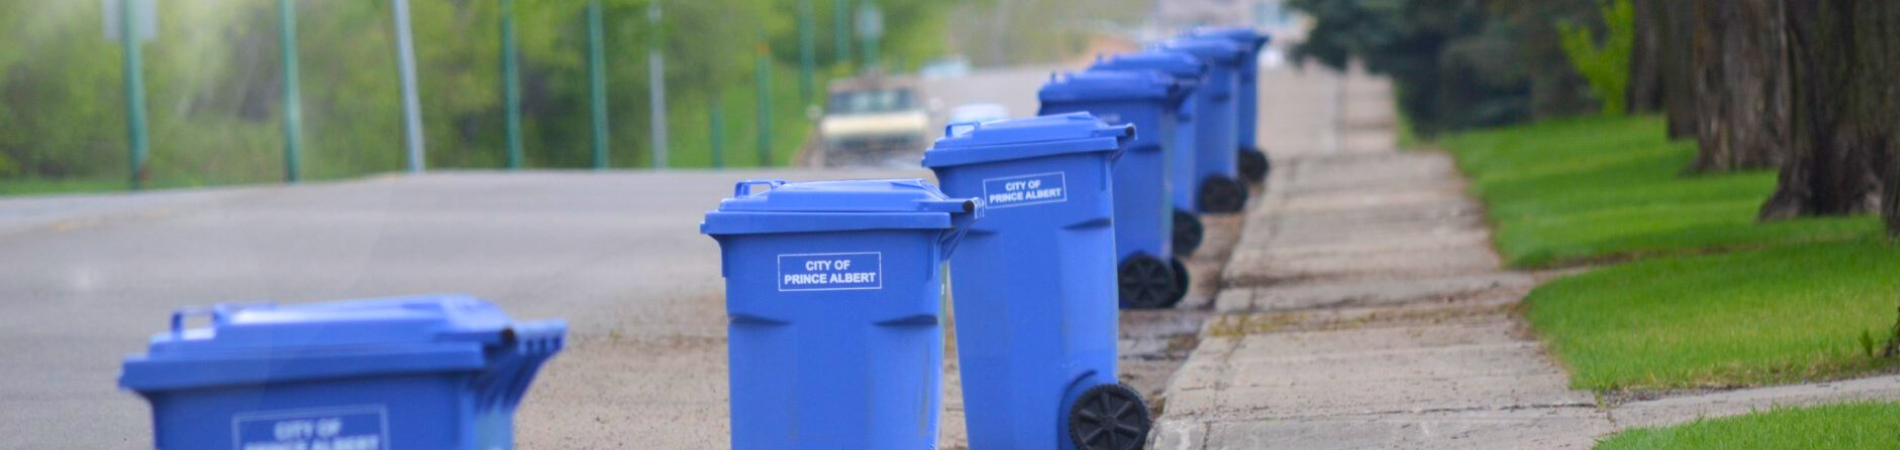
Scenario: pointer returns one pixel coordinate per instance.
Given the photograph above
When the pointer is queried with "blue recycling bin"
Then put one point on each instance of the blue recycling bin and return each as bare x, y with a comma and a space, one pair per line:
1216, 163
1188, 72
1253, 163
1150, 276
437, 372
1034, 283
834, 301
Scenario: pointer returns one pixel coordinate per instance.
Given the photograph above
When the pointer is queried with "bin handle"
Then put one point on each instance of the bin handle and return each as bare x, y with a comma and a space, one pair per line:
218, 314
972, 210
179, 315
952, 130
744, 187
1126, 135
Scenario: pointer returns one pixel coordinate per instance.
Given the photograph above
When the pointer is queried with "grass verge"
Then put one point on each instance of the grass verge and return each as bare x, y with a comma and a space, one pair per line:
1712, 298
1601, 189
1844, 426
1778, 315
59, 186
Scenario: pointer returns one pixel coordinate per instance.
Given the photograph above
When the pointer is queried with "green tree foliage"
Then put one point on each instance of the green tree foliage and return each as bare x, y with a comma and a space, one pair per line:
1457, 64
213, 78
1606, 65
1025, 32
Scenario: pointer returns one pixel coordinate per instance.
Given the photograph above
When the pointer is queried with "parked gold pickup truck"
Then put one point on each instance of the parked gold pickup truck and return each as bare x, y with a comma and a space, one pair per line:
870, 121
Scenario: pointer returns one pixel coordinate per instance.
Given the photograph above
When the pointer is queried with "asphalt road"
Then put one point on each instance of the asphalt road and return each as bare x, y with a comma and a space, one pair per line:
86, 279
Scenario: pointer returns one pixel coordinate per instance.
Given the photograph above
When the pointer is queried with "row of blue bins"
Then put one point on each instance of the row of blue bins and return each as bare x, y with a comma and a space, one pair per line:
1195, 97
835, 290
835, 293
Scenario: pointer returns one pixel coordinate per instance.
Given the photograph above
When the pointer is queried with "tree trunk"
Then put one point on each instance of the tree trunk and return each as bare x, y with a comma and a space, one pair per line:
1741, 85
1879, 107
1677, 68
1892, 350
1843, 129
1645, 91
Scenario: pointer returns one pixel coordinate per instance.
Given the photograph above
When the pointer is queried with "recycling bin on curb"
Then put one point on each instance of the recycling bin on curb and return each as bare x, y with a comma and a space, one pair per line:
435, 372
1187, 71
1253, 163
1034, 284
1216, 172
1149, 275
834, 305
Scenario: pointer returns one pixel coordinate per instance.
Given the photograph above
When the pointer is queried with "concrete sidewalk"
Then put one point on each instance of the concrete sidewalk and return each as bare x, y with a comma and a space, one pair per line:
1363, 307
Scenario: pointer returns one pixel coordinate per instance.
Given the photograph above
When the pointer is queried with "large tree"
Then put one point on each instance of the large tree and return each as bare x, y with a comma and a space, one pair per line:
1644, 93
1843, 59
1662, 66
1741, 84
1677, 71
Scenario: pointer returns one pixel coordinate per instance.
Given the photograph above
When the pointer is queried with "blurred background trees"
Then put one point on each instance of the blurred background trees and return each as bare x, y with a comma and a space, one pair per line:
213, 82
1806, 87
1459, 64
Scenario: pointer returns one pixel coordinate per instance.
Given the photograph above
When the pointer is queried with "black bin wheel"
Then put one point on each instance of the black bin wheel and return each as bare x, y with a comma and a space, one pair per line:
1109, 417
1180, 279
1222, 195
1187, 233
1148, 283
1254, 165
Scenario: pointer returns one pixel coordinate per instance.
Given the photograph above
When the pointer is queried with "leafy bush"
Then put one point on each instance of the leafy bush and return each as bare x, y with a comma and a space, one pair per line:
1606, 66
1457, 64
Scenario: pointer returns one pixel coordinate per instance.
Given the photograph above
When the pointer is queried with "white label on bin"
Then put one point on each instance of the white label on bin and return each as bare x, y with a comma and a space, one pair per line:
830, 271
1025, 190
344, 428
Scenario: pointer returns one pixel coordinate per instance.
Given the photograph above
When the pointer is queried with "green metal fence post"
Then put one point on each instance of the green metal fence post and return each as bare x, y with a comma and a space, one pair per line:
806, 47
841, 31
765, 105
293, 99
511, 84
870, 31
656, 86
597, 81
134, 63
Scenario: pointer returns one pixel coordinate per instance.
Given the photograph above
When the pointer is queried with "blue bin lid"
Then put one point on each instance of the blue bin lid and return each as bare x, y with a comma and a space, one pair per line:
1248, 38
1216, 50
264, 343
840, 205
1003, 140
1109, 85
1185, 68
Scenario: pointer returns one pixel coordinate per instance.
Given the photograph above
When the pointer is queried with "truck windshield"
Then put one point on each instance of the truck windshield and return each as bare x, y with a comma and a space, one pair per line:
870, 102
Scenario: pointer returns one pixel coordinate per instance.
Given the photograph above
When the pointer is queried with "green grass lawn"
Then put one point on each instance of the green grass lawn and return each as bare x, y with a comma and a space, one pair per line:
1707, 297
1611, 188
98, 185
60, 186
1778, 315
1847, 426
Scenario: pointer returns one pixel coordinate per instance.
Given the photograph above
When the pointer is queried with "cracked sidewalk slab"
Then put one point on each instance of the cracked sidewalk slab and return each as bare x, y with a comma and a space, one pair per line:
1420, 360
1362, 308
1366, 291
1685, 408
1539, 428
